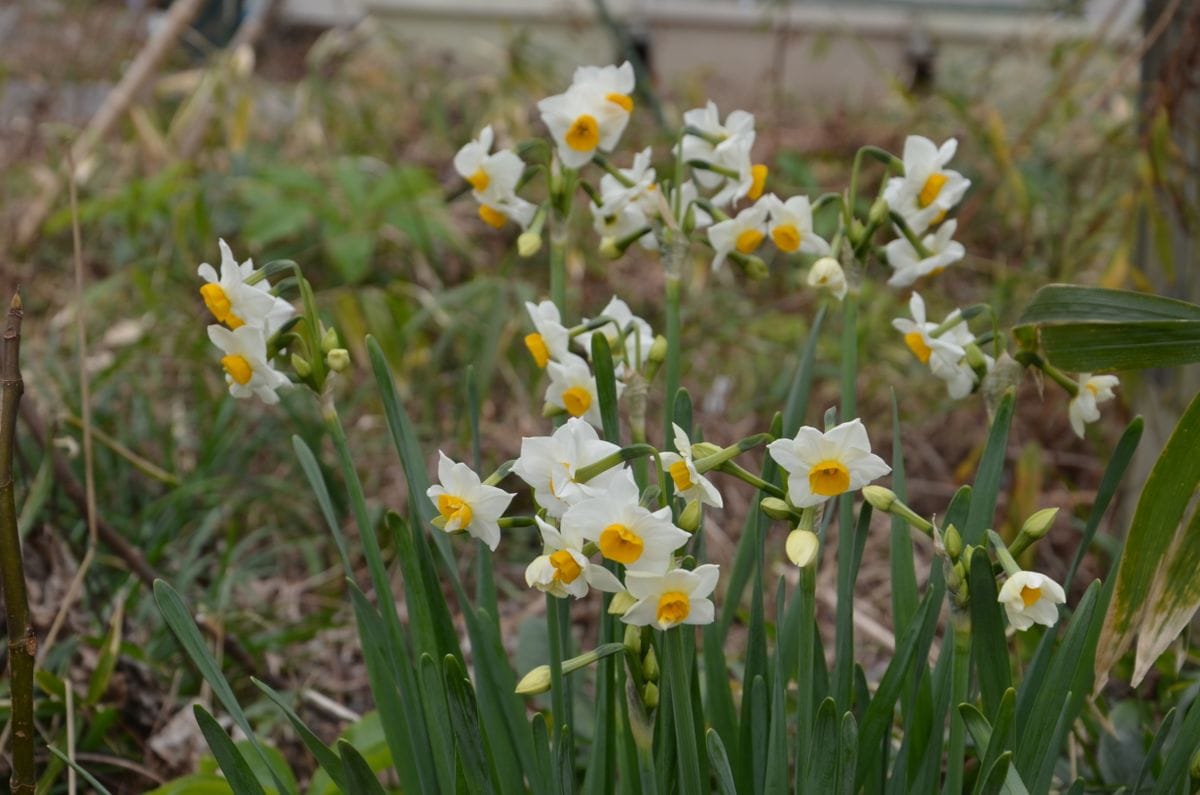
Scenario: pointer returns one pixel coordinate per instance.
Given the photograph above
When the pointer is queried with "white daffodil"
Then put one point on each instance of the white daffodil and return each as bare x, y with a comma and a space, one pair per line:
790, 226
688, 193
676, 597
958, 375
628, 204
909, 265
1031, 598
637, 332
726, 146
641, 539
823, 465
591, 114
466, 504
572, 388
931, 350
235, 302
743, 233
563, 570
928, 190
247, 369
548, 464
689, 483
1093, 390
550, 340
827, 274
493, 176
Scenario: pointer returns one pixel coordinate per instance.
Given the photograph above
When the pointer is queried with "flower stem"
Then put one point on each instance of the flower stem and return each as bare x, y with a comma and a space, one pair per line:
559, 697
805, 677
22, 643
558, 263
960, 679
678, 668
672, 374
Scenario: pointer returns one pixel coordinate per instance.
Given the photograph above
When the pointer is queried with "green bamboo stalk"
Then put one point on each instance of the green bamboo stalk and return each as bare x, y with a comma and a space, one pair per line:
22, 643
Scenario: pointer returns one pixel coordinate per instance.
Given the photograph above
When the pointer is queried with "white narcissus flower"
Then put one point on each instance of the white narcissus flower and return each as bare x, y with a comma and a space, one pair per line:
550, 340
548, 465
689, 483
465, 504
638, 334
591, 114
626, 208
958, 375
928, 189
247, 369
1093, 389
934, 351
726, 146
791, 226
676, 597
625, 532
236, 303
824, 465
563, 570
743, 233
1031, 598
908, 264
572, 388
493, 178
827, 274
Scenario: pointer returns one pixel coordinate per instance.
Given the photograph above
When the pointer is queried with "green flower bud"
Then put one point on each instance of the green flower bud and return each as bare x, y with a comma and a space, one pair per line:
529, 243
329, 340
535, 682
953, 542
689, 517
633, 638
802, 547
1037, 525
650, 668
301, 366
338, 360
776, 508
609, 248
881, 499
650, 695
704, 450
620, 603
878, 214
658, 350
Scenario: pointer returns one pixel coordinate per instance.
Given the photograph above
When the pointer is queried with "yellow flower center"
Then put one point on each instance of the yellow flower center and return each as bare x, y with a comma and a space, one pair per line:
238, 368
679, 473
931, 189
937, 219
566, 569
1089, 386
786, 237
218, 303
673, 608
748, 240
1030, 596
537, 349
916, 343
577, 401
758, 180
491, 216
624, 100
479, 180
583, 134
452, 508
829, 478
617, 542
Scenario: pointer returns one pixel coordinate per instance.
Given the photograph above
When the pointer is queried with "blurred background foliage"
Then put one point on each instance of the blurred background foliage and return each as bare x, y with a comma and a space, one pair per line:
334, 150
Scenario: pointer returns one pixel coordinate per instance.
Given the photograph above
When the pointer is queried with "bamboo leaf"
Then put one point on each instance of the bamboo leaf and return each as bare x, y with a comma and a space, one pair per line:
1063, 303
235, 767
1156, 522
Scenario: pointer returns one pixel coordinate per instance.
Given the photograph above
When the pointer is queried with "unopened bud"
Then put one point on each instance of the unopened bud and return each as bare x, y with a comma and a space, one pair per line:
689, 517
953, 542
609, 248
650, 665
776, 508
329, 340
650, 695
338, 360
1037, 525
658, 350
301, 366
754, 267
620, 603
827, 274
633, 638
878, 214
881, 499
535, 682
529, 243
704, 450
802, 547
856, 231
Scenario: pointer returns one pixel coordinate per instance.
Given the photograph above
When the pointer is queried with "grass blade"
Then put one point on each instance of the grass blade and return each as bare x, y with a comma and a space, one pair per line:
325, 756
719, 761
235, 767
988, 645
360, 779
987, 478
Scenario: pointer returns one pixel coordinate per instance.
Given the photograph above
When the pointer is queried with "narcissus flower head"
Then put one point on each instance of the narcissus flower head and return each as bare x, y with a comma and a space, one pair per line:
590, 115
234, 301
639, 337
928, 189
493, 177
790, 226
827, 274
908, 264
465, 504
572, 388
1031, 598
918, 336
681, 467
727, 146
550, 340
669, 599
822, 465
743, 233
563, 570
1093, 390
626, 532
244, 358
548, 464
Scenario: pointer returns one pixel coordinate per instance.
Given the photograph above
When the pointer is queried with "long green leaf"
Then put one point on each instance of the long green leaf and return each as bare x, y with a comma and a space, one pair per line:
235, 767
1156, 521
437, 719
1175, 766
900, 557
987, 478
989, 649
719, 761
325, 757
464, 721
606, 387
1064, 303
825, 751
88, 777
316, 481
360, 779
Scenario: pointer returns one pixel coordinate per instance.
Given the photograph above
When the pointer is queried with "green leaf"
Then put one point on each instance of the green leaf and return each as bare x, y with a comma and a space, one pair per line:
325, 757
437, 719
1146, 598
719, 760
316, 481
360, 779
1160, 738
1064, 303
900, 557
606, 387
88, 777
825, 752
464, 722
988, 645
237, 771
987, 479
1175, 766
109, 653
848, 771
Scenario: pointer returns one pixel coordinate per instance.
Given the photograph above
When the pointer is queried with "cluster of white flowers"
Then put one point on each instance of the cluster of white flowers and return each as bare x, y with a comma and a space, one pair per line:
247, 316
493, 177
943, 346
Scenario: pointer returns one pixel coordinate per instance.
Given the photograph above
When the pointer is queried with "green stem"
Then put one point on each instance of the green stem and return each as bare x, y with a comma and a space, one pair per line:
741, 474
960, 679
678, 668
913, 239
22, 642
805, 675
672, 375
558, 684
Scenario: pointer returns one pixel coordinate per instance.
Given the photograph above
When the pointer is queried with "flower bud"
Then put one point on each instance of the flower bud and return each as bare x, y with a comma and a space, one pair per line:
1037, 525
881, 499
609, 248
878, 214
802, 547
658, 350
826, 273
754, 267
528, 244
704, 450
329, 340
633, 638
535, 682
650, 665
338, 360
776, 508
650, 695
301, 366
620, 603
953, 542
689, 517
